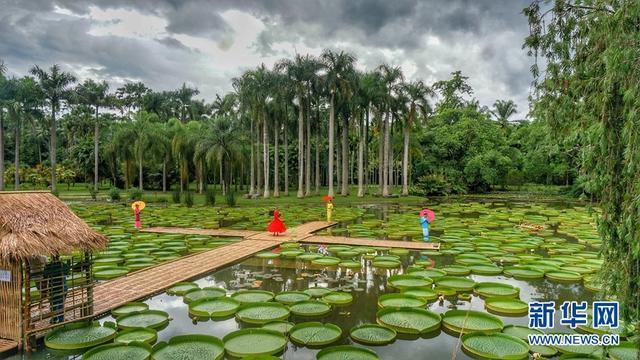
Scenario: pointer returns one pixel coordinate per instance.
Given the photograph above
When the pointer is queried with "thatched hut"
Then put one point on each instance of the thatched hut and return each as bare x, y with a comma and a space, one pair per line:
45, 265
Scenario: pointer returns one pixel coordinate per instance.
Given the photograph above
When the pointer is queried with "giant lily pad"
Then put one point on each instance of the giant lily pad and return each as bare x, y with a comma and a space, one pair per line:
347, 352
181, 288
337, 298
310, 308
252, 296
189, 347
400, 300
495, 346
315, 333
495, 289
563, 276
405, 281
254, 342
282, 327
456, 283
149, 318
466, 321
317, 292
204, 293
524, 273
372, 334
291, 297
262, 312
217, 307
129, 308
627, 350
145, 335
118, 351
425, 293
506, 306
408, 320
109, 272
326, 261
79, 336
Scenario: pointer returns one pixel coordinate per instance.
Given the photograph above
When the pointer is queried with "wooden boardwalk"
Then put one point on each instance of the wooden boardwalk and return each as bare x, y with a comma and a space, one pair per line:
343, 240
156, 279
196, 231
6, 346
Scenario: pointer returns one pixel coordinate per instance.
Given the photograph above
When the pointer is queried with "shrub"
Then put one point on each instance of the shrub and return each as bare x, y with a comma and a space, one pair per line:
231, 198
188, 198
114, 194
435, 185
210, 196
175, 196
94, 193
135, 194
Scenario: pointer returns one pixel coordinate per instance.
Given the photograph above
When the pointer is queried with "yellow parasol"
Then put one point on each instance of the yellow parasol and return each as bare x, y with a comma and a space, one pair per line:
140, 204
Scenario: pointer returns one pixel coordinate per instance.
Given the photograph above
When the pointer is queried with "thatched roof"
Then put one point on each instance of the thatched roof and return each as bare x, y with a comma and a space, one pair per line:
38, 223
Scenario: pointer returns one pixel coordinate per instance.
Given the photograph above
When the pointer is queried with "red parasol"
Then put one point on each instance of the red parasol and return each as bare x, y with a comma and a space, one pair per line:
327, 198
428, 213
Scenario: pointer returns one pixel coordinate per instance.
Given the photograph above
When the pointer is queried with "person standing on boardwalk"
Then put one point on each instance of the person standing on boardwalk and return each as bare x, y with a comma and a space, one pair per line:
328, 199
137, 207
426, 217
276, 226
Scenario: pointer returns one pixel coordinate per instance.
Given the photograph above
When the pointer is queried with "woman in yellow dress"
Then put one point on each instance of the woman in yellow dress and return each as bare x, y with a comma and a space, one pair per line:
329, 208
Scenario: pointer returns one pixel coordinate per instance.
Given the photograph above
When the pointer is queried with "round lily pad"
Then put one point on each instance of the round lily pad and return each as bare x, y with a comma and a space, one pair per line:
495, 289
405, 281
372, 334
291, 297
400, 300
129, 308
204, 293
456, 283
347, 352
350, 264
254, 342
149, 318
317, 292
466, 321
522, 273
315, 333
310, 308
144, 335
506, 306
109, 272
252, 296
522, 333
408, 320
338, 298
79, 336
181, 288
217, 307
262, 312
563, 276
326, 261
627, 350
425, 293
308, 257
267, 255
119, 351
456, 270
189, 347
495, 346
485, 269
386, 264
279, 326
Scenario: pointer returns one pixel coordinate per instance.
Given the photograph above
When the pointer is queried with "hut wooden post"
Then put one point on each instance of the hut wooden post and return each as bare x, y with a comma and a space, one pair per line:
11, 295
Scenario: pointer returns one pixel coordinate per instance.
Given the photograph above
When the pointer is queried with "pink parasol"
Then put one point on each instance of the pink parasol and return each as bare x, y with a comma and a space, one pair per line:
428, 213
327, 198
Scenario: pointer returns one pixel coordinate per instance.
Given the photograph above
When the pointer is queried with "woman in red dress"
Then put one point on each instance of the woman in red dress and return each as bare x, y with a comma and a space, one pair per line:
276, 226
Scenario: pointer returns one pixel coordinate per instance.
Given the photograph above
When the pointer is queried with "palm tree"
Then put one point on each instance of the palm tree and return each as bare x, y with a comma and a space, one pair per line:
502, 110
24, 107
221, 144
55, 85
337, 66
185, 95
392, 77
415, 100
183, 146
3, 99
91, 93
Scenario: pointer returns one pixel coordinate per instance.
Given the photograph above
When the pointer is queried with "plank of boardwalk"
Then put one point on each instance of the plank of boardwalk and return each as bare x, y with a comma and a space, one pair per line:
196, 231
343, 240
153, 280
7, 345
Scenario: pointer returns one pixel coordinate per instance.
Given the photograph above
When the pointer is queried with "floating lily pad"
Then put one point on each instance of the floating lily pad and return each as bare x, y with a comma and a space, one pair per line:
317, 292
254, 342
279, 326
350, 264
109, 272
347, 352
145, 335
310, 308
406, 281
400, 300
627, 350
495, 289
181, 288
291, 297
408, 320
204, 293
425, 293
118, 351
466, 321
522, 273
338, 298
495, 346
326, 261
129, 308
267, 255
189, 347
482, 269
506, 306
563, 276
252, 296
456, 283
386, 264
79, 336
149, 318
315, 333
262, 312
372, 334
216, 307
456, 270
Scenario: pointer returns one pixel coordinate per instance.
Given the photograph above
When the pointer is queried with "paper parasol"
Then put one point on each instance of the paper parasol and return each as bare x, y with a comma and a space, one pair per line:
327, 198
428, 213
140, 204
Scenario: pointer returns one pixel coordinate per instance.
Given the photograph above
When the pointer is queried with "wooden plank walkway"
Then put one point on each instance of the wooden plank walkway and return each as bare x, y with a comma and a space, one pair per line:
153, 280
343, 240
296, 233
6, 346
196, 231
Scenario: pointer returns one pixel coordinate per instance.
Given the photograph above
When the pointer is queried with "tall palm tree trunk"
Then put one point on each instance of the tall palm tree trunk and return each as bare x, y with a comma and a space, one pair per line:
53, 152
331, 135
405, 160
317, 146
96, 149
381, 154
16, 155
140, 185
265, 154
252, 176
164, 176
300, 148
286, 161
366, 150
259, 160
361, 145
307, 175
276, 160
385, 156
338, 156
345, 156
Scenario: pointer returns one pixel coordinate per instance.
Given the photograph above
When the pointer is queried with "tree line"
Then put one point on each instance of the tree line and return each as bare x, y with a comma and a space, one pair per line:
308, 122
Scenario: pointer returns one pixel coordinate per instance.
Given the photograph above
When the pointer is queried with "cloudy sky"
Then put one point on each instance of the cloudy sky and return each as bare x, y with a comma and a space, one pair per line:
205, 43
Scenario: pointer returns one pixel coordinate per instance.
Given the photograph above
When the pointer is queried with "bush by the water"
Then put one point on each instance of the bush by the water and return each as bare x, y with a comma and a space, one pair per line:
135, 194
114, 194
435, 185
210, 196
231, 198
188, 199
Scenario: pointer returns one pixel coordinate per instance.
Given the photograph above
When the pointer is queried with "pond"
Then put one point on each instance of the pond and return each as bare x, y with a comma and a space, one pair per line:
482, 243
